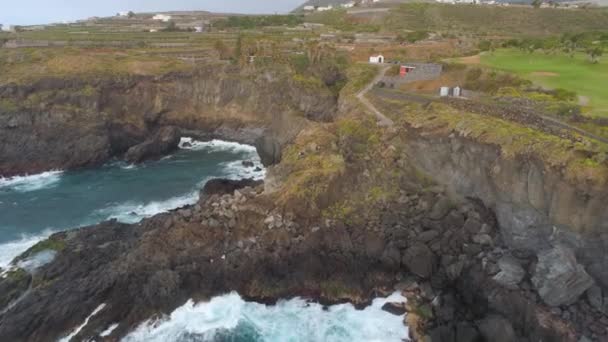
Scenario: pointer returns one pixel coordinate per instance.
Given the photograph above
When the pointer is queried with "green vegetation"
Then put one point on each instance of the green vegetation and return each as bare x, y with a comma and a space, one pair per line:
26, 64
558, 71
52, 244
493, 20
17, 275
8, 106
359, 76
514, 140
252, 22
339, 19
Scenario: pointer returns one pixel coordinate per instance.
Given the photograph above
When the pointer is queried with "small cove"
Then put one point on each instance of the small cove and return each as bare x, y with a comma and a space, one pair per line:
33, 207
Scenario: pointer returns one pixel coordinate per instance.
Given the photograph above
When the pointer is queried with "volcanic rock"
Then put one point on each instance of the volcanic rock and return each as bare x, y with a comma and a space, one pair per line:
164, 141
559, 278
420, 260
511, 273
220, 186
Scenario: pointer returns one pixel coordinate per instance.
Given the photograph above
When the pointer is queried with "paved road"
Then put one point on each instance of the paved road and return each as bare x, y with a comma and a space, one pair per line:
382, 119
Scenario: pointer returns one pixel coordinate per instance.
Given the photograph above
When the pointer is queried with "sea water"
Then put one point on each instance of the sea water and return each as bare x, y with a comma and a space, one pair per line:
33, 207
230, 318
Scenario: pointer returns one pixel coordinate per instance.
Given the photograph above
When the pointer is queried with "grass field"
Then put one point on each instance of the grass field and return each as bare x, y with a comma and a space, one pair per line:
558, 71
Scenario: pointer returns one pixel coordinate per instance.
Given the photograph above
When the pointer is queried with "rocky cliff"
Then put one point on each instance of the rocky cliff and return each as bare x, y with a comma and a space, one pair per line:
494, 232
56, 123
536, 206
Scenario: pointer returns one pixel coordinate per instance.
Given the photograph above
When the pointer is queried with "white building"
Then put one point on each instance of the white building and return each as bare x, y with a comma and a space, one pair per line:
162, 17
123, 13
7, 28
348, 5
376, 59
309, 8
199, 29
325, 8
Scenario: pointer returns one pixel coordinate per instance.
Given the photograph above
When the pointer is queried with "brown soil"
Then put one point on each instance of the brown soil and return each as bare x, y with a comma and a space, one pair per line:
471, 60
545, 74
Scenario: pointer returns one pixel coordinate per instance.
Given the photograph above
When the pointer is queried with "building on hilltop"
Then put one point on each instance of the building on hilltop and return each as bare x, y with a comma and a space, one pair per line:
162, 17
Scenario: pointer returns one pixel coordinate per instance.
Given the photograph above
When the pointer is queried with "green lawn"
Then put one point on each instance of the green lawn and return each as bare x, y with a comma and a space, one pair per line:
558, 71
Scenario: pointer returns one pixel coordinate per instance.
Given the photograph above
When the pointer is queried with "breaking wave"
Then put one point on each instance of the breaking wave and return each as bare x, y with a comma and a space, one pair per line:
134, 212
230, 318
215, 145
31, 182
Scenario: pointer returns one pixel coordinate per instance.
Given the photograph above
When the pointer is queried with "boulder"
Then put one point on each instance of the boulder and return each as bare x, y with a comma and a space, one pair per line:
397, 309
269, 150
221, 186
497, 329
440, 209
442, 333
466, 332
247, 163
164, 141
511, 273
559, 278
420, 260
596, 299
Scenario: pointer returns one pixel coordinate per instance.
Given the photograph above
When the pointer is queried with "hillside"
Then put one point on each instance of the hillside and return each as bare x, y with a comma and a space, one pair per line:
470, 19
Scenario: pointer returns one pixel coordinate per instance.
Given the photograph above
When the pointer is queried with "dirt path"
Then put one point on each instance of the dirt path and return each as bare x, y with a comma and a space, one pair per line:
382, 119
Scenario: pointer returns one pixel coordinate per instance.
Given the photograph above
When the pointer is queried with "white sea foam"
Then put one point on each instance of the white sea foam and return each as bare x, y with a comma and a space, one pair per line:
10, 250
231, 317
134, 212
128, 167
109, 331
37, 260
216, 145
84, 324
236, 170
31, 182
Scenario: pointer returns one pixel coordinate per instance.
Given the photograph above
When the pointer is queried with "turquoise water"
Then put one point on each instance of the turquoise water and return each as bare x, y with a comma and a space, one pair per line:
229, 318
32, 207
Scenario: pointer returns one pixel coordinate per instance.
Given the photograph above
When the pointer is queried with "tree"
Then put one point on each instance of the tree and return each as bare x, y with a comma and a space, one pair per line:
594, 53
537, 3
171, 27
485, 45
131, 14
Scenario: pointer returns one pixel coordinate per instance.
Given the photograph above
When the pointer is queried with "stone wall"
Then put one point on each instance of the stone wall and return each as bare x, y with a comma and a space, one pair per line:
422, 72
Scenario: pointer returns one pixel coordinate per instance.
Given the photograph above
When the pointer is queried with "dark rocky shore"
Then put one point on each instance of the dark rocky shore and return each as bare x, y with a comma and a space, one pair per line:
485, 247
447, 258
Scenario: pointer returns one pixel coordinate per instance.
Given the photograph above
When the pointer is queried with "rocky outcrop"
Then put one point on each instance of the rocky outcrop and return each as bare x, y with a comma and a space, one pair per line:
220, 186
161, 143
242, 241
558, 278
536, 207
71, 123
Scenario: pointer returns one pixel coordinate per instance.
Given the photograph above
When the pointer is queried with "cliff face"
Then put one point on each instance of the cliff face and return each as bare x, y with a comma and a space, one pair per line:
536, 206
70, 123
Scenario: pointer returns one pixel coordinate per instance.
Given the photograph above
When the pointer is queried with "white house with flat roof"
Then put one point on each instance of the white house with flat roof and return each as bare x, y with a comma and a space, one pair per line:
376, 59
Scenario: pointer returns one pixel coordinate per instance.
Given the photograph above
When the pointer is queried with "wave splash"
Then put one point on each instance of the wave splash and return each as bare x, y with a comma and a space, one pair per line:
215, 145
11, 250
31, 182
230, 318
134, 212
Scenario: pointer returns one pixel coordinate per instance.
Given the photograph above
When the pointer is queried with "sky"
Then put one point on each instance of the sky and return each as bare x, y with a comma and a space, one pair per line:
29, 12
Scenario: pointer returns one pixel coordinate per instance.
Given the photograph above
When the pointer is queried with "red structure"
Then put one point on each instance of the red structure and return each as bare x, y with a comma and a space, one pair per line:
404, 70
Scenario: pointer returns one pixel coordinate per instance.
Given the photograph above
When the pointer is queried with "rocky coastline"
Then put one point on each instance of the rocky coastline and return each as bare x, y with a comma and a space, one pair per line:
485, 248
